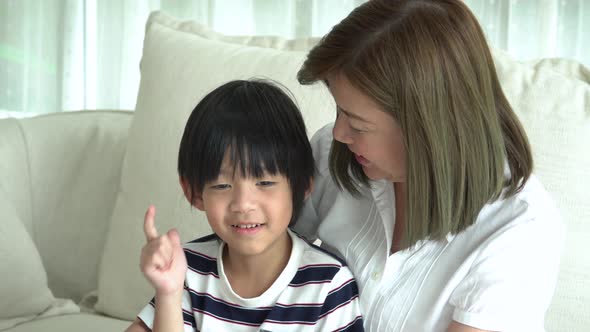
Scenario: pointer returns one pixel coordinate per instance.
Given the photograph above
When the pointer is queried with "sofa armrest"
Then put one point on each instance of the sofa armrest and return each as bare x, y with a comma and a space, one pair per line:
74, 165
14, 174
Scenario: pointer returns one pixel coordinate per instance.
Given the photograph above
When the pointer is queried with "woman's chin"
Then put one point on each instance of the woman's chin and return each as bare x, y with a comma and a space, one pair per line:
374, 174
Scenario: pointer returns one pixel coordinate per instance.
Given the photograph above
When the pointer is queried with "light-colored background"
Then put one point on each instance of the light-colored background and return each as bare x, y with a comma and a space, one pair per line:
78, 183
84, 54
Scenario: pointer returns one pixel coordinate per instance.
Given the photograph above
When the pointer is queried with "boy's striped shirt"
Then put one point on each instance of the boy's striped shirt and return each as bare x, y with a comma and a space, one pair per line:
315, 292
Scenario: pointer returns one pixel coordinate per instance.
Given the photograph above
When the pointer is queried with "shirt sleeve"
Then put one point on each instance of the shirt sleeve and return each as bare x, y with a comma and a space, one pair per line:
341, 308
511, 282
147, 314
309, 219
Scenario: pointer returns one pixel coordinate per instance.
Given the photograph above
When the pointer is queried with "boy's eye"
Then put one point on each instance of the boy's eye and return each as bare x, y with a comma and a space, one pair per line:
265, 183
220, 186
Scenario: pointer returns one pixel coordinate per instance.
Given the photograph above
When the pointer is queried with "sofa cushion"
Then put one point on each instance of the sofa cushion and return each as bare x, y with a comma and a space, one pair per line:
14, 174
80, 322
73, 165
555, 111
24, 289
180, 64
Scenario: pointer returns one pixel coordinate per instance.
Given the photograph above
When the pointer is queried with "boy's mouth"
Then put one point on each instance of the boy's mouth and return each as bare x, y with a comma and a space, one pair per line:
246, 226
247, 229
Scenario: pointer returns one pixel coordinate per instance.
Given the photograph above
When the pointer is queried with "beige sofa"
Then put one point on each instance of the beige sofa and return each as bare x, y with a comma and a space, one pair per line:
74, 185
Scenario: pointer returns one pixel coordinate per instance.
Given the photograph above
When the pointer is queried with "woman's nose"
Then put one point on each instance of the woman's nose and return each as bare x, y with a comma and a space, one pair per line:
341, 131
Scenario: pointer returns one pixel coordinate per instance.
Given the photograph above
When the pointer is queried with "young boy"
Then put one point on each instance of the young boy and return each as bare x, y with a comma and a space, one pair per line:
246, 161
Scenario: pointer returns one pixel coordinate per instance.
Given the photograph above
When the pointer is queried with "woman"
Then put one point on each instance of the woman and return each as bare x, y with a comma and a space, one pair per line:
424, 182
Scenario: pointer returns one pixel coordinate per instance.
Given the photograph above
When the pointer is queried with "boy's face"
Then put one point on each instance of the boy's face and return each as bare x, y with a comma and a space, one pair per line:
250, 215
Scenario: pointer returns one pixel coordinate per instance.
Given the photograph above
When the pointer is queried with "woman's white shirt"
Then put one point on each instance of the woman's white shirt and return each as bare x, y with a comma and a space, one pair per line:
499, 274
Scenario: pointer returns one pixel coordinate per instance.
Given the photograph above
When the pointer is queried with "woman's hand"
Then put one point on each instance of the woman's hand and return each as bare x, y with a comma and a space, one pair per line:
163, 262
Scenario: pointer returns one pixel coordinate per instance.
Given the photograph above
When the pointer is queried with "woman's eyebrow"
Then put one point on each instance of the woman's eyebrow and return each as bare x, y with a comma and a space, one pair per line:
352, 115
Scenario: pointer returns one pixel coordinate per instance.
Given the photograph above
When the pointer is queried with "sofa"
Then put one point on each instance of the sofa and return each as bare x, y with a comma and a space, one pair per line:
74, 185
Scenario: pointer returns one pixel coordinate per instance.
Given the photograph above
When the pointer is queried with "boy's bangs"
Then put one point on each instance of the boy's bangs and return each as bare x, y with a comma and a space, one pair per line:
252, 154
254, 158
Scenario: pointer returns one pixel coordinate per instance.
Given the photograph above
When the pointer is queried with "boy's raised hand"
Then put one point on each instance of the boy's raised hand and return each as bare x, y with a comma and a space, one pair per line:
162, 258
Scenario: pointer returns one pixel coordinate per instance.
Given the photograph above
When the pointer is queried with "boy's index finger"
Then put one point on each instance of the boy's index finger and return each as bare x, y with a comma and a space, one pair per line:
149, 227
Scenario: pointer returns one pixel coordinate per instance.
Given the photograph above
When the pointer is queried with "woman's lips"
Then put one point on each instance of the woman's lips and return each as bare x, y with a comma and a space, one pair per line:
361, 160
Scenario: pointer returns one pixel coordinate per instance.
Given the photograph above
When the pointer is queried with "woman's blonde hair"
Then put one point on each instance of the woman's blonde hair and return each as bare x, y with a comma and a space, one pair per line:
427, 63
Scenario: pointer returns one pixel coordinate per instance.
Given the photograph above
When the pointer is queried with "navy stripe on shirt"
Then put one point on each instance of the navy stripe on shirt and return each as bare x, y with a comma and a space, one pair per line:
340, 296
354, 326
200, 263
296, 313
187, 316
314, 274
208, 304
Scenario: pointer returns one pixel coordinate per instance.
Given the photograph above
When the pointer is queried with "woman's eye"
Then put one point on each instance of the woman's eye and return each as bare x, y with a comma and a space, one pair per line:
356, 129
265, 183
220, 186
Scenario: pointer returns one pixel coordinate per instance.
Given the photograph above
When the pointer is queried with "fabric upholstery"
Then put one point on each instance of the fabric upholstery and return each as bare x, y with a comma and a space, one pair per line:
72, 207
80, 322
555, 111
24, 289
14, 170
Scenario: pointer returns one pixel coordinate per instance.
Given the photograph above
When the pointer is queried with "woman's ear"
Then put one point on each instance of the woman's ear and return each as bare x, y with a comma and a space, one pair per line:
309, 189
197, 196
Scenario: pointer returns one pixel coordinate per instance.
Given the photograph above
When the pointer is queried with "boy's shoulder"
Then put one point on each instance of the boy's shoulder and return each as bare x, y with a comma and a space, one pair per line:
203, 251
320, 268
317, 265
207, 238
315, 253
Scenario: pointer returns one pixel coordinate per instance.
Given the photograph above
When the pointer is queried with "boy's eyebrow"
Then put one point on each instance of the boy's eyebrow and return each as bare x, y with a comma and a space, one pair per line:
352, 115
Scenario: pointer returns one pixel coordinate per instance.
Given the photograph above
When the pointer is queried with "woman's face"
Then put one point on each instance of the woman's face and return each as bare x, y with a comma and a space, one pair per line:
372, 135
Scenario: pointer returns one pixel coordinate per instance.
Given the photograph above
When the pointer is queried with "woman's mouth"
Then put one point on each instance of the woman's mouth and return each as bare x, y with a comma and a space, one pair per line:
361, 160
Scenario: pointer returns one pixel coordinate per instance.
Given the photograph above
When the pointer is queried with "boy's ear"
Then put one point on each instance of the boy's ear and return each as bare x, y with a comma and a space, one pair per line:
197, 198
309, 189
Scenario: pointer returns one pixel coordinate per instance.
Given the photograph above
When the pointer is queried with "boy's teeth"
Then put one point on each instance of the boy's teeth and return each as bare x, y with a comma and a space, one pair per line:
247, 226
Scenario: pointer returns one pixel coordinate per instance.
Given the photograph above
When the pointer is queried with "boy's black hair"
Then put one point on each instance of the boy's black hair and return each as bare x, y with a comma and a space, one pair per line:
261, 128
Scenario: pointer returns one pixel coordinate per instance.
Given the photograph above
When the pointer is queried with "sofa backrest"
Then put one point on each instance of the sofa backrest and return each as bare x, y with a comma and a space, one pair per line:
552, 100
63, 176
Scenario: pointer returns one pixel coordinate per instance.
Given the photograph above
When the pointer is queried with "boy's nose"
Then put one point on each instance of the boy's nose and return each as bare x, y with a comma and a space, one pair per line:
243, 201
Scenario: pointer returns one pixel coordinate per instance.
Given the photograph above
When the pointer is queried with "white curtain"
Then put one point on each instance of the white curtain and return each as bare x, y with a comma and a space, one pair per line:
84, 54
530, 29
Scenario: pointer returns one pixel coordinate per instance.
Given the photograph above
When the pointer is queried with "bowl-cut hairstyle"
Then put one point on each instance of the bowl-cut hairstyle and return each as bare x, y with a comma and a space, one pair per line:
258, 125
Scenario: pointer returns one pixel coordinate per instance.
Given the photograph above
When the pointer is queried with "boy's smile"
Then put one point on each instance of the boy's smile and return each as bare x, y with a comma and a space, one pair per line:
247, 228
249, 214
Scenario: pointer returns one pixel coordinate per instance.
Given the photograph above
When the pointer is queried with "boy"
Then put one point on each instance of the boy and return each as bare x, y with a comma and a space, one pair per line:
245, 161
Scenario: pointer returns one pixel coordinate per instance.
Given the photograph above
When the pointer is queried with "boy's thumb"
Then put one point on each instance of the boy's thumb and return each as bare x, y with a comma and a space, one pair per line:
174, 237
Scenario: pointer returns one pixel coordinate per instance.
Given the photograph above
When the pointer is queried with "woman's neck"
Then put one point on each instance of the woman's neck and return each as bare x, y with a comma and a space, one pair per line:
400, 216
251, 275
